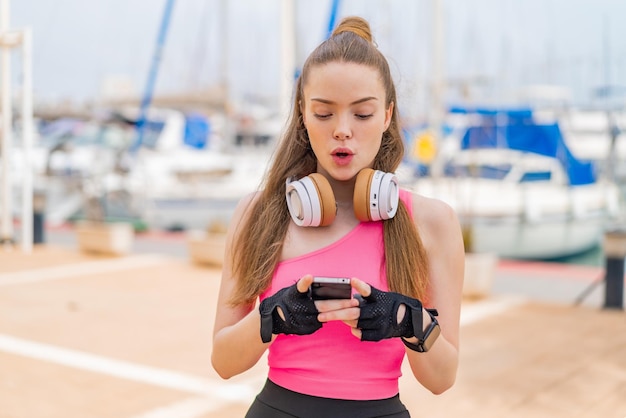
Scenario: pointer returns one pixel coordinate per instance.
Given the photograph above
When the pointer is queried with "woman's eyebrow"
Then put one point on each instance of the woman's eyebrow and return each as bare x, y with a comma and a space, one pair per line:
330, 102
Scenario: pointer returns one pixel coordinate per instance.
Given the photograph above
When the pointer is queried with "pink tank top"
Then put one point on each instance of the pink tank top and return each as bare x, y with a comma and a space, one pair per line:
331, 362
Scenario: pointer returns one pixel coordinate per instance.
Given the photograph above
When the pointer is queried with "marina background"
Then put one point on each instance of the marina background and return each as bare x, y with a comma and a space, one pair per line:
126, 332
500, 46
225, 59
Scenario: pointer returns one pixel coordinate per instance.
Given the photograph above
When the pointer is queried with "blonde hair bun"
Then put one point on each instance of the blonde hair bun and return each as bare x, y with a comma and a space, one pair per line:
356, 25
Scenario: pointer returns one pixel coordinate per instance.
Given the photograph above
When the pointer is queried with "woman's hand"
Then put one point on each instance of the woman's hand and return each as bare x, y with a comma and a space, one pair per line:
291, 310
365, 290
346, 310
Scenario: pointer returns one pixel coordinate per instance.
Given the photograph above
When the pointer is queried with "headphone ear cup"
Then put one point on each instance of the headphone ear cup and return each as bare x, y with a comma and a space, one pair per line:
376, 195
311, 201
388, 196
326, 198
361, 198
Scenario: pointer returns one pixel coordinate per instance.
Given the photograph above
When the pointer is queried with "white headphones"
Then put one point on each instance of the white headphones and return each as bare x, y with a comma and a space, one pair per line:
311, 201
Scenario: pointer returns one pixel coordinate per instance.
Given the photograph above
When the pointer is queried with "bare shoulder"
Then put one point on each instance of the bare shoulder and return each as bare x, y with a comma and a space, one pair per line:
240, 214
242, 210
432, 212
435, 219
247, 201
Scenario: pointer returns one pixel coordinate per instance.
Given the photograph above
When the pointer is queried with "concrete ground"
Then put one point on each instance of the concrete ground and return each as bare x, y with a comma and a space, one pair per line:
92, 336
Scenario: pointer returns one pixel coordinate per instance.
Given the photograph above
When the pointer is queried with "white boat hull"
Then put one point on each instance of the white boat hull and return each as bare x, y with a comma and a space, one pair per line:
529, 220
188, 214
546, 239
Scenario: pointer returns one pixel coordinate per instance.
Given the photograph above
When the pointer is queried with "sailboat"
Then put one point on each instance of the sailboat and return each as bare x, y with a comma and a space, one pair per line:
518, 189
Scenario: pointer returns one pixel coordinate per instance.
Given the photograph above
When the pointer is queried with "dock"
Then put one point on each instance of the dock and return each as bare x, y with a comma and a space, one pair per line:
84, 336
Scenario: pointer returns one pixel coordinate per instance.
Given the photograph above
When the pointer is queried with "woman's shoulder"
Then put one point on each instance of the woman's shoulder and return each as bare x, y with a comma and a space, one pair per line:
249, 199
433, 215
242, 210
426, 205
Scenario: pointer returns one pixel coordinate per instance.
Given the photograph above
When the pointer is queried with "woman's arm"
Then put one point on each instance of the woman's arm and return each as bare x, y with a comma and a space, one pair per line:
237, 344
440, 232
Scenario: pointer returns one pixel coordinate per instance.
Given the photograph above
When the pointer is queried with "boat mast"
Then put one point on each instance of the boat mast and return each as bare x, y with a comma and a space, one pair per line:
332, 18
152, 75
288, 51
10, 39
6, 222
437, 111
27, 142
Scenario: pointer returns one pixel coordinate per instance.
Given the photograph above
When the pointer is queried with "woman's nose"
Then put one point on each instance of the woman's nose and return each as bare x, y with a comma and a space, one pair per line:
342, 129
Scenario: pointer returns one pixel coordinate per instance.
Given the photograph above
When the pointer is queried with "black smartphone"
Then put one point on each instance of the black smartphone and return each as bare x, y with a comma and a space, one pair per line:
324, 288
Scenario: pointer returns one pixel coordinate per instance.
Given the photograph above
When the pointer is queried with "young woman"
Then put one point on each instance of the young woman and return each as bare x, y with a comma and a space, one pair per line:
330, 206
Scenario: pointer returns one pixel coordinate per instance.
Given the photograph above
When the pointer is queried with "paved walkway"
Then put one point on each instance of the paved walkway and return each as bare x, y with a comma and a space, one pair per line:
130, 337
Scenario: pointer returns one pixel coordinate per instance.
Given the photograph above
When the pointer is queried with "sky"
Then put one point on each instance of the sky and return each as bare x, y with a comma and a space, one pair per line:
492, 49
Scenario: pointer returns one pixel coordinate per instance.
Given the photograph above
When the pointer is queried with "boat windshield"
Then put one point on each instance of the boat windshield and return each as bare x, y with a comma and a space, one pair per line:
536, 176
485, 171
151, 133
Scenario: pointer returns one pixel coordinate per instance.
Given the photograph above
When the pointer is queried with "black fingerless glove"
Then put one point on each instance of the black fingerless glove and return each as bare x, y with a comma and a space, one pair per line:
379, 316
299, 310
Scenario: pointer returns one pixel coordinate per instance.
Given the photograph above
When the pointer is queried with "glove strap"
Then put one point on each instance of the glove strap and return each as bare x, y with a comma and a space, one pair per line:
266, 328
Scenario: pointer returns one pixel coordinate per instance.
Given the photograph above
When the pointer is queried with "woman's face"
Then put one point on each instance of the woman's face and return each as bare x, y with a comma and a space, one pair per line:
344, 112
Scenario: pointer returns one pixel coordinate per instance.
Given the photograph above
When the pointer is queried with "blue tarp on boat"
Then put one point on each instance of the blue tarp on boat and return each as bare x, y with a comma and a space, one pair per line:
516, 129
197, 130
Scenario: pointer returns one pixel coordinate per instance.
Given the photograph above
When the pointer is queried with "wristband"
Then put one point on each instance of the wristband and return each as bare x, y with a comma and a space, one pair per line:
427, 338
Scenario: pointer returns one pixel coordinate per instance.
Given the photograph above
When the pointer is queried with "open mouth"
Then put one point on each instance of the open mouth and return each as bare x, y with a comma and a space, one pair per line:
341, 154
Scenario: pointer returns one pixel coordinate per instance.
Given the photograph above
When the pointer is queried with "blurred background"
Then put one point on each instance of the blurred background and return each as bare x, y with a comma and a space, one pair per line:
81, 48
162, 114
133, 127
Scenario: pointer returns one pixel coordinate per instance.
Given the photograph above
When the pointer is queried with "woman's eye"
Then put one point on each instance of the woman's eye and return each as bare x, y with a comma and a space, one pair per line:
322, 116
364, 116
